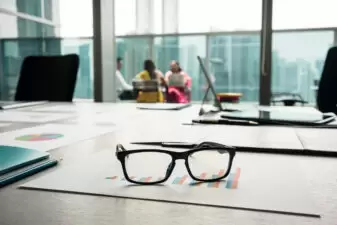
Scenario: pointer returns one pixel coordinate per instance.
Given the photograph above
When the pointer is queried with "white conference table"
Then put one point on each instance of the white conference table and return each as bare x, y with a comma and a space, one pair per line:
39, 208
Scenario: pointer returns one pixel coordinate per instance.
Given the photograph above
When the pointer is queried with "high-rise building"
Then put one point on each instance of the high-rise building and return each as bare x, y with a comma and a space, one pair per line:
235, 64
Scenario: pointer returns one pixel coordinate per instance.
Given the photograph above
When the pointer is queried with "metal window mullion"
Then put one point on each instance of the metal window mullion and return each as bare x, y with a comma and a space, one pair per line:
266, 52
335, 37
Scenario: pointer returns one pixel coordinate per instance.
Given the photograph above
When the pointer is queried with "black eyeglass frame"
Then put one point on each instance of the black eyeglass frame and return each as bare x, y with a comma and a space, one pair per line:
122, 153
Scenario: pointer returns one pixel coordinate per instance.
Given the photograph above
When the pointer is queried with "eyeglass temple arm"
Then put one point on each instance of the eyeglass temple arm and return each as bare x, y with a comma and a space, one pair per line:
214, 144
119, 148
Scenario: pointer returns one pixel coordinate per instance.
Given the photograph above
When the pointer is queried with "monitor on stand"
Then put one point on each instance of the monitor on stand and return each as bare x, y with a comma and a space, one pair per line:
219, 107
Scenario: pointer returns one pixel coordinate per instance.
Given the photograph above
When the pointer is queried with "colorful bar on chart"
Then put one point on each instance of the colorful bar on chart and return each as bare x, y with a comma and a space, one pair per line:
176, 180
112, 178
217, 183
233, 179
148, 179
230, 181
198, 183
235, 183
145, 179
180, 180
214, 184
183, 179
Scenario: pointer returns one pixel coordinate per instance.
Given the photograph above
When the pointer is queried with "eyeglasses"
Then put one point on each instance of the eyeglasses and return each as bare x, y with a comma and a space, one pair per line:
207, 162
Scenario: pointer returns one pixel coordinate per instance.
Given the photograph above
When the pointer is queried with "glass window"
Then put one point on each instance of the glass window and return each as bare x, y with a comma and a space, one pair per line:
8, 4
219, 15
133, 52
234, 61
292, 14
184, 49
84, 48
158, 16
48, 31
31, 7
298, 59
14, 51
76, 18
125, 16
28, 28
8, 26
48, 9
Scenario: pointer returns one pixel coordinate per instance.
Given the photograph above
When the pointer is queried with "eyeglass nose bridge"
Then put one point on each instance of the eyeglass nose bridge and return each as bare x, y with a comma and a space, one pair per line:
180, 155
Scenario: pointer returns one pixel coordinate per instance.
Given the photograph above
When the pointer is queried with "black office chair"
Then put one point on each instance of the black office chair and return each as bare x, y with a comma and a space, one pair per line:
327, 88
287, 99
48, 78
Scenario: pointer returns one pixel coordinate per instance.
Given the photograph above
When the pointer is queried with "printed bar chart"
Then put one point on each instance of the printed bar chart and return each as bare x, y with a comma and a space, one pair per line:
231, 182
180, 180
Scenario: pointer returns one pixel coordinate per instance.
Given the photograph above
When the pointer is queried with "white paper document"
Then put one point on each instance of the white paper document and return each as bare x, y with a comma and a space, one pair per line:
51, 136
256, 182
35, 117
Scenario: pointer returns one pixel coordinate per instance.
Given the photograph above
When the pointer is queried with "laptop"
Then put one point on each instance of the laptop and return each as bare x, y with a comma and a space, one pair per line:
218, 106
287, 115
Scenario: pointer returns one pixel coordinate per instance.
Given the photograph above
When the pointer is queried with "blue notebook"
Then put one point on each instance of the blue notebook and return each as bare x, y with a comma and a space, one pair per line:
13, 158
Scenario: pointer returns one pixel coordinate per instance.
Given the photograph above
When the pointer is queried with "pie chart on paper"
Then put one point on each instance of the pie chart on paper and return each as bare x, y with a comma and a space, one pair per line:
39, 137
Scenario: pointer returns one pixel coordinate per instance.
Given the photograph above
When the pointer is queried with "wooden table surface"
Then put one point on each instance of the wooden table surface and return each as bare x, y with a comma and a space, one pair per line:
26, 207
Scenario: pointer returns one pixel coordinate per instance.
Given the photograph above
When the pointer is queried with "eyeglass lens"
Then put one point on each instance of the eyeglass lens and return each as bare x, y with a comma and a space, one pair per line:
209, 164
147, 167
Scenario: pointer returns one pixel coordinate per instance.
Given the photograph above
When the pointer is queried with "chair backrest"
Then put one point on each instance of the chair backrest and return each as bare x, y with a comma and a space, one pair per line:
327, 88
48, 78
145, 85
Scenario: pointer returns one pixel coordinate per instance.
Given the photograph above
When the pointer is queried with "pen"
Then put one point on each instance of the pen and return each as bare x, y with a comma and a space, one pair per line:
226, 121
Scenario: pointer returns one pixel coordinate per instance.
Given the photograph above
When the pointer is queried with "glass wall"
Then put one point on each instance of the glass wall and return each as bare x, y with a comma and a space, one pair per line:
225, 33
232, 59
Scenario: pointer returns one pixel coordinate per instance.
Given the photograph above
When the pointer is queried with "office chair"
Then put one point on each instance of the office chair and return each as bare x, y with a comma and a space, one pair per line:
47, 78
147, 91
327, 88
288, 99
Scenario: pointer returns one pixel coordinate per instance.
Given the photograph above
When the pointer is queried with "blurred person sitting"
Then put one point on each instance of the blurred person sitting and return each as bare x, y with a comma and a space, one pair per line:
179, 84
150, 73
124, 90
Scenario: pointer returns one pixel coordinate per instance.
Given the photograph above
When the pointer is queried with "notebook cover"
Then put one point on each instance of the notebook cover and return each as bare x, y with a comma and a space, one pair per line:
12, 158
27, 171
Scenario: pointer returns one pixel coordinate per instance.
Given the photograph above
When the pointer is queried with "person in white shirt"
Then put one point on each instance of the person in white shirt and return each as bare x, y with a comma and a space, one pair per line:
124, 90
